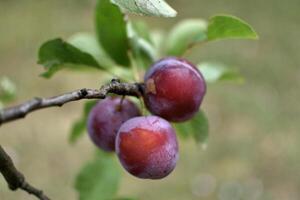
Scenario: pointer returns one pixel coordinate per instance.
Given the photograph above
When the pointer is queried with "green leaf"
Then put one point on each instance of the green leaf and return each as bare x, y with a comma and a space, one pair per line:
87, 42
197, 128
146, 7
7, 89
79, 126
226, 26
57, 54
99, 179
158, 37
142, 30
184, 35
214, 72
143, 51
111, 31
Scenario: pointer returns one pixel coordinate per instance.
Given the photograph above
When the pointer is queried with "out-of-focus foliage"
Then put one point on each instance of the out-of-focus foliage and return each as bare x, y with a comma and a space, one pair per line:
214, 72
98, 179
184, 35
197, 128
7, 90
79, 126
144, 53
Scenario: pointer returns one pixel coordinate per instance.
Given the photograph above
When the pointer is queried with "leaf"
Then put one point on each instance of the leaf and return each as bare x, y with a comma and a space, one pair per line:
99, 179
142, 30
144, 52
214, 72
87, 42
184, 35
226, 26
7, 89
79, 126
158, 37
197, 128
111, 31
146, 7
55, 54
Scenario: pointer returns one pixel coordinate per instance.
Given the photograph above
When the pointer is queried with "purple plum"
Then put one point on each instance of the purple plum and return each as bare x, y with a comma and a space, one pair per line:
174, 89
105, 119
147, 147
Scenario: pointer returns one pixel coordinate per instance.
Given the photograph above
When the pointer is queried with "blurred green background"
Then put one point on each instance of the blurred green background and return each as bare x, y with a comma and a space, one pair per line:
254, 147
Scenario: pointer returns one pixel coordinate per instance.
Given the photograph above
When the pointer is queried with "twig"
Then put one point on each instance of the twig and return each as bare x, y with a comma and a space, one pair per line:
115, 87
16, 179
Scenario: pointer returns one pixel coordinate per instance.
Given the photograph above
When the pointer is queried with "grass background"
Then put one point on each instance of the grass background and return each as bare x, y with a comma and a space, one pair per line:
253, 149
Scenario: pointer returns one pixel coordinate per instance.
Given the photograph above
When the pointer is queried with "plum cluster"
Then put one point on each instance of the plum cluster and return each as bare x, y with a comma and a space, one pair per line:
147, 145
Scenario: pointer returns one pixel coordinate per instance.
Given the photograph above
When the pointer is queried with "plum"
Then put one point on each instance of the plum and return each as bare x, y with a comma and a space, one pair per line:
147, 147
174, 89
105, 119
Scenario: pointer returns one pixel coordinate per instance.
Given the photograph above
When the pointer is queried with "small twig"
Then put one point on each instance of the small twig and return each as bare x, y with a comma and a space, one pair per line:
16, 179
115, 87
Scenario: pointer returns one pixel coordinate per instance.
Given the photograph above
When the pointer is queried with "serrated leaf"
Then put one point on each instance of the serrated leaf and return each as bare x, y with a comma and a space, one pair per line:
143, 51
79, 126
214, 72
197, 128
184, 35
99, 179
146, 7
226, 26
7, 89
57, 54
111, 31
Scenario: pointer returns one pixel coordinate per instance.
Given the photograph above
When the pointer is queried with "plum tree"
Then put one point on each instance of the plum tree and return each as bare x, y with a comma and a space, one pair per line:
174, 89
105, 119
147, 147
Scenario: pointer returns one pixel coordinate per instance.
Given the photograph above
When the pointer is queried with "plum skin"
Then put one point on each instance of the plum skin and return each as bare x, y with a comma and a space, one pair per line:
147, 147
105, 119
174, 89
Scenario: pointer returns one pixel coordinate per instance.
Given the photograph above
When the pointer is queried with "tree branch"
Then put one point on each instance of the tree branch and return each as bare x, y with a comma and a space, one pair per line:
115, 87
16, 179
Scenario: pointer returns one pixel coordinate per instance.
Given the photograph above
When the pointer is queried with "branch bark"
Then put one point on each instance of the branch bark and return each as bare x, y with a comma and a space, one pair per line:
16, 179
115, 87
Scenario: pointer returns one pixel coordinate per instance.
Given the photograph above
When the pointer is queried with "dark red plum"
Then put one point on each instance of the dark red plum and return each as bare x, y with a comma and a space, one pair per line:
174, 89
147, 147
105, 119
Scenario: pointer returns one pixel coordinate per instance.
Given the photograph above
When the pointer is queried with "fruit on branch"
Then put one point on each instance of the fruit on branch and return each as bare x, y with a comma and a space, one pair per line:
147, 147
105, 119
174, 89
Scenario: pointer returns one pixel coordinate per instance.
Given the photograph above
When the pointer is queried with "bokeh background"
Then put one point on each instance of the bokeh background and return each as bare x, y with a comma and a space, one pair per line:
253, 150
